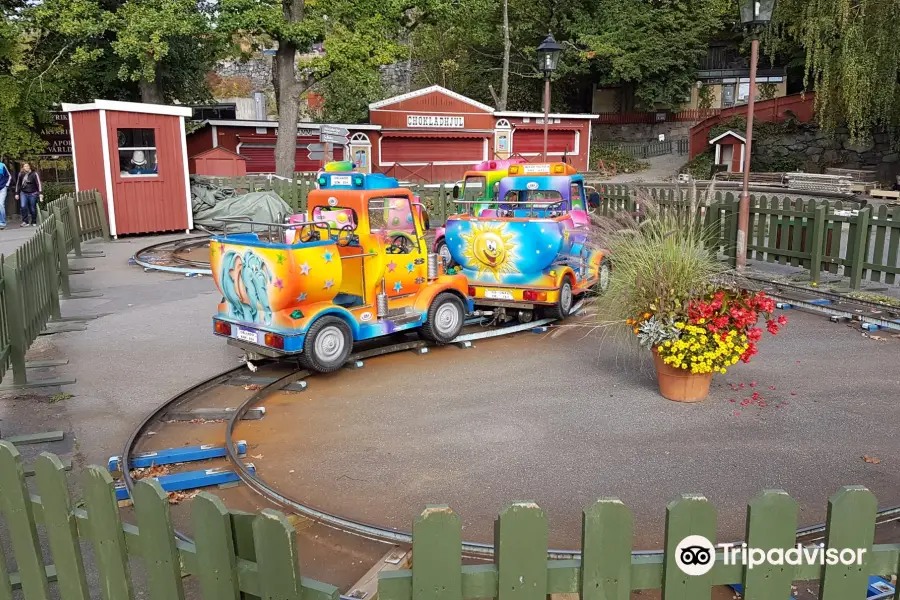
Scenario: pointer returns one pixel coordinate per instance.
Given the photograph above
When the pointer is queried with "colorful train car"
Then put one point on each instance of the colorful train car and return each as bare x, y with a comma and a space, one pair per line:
480, 186
531, 252
355, 266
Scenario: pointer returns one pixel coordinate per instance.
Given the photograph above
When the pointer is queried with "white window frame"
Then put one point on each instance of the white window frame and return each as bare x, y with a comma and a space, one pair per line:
119, 150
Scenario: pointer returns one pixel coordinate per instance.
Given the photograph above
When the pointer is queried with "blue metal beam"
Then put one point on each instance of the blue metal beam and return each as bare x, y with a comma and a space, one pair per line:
190, 480
175, 455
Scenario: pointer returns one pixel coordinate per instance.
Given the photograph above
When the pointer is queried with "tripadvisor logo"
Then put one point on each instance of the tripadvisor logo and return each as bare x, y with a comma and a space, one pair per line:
695, 555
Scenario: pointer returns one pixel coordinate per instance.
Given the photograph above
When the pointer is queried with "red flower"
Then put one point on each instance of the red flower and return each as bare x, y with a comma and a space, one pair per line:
754, 334
772, 326
782, 320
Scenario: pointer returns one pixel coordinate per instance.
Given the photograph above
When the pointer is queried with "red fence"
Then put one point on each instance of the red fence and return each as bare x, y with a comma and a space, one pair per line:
776, 110
660, 116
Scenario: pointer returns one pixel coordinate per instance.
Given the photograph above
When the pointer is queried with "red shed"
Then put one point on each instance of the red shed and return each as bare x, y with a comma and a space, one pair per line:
218, 162
568, 136
142, 171
730, 151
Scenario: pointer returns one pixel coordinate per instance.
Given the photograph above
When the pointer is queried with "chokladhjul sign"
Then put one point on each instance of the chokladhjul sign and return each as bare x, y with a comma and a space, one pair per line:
435, 121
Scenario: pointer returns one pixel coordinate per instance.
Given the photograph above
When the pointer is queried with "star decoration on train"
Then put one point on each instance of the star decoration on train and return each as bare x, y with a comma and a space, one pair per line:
327, 256
304, 269
391, 266
279, 283
398, 286
301, 297
329, 283
221, 247
410, 268
280, 258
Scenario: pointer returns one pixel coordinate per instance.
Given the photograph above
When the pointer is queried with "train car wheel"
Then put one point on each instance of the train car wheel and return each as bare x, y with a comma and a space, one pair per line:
327, 345
445, 318
561, 309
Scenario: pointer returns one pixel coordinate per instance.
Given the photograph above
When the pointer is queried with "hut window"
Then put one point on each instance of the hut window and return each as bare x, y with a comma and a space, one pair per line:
137, 152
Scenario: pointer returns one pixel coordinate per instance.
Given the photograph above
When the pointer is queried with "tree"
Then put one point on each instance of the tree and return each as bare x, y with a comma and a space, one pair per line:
852, 59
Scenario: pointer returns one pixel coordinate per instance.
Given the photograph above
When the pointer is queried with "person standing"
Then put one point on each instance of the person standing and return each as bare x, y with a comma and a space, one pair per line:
29, 188
4, 187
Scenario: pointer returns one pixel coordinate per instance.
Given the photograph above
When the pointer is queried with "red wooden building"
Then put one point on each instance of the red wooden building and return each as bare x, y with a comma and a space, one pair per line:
729, 151
218, 162
136, 156
428, 135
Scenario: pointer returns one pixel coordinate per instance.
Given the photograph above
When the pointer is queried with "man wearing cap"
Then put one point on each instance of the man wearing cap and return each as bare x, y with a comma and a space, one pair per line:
139, 164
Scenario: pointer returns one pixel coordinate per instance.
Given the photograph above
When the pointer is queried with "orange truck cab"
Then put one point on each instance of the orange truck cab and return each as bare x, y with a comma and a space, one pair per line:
355, 266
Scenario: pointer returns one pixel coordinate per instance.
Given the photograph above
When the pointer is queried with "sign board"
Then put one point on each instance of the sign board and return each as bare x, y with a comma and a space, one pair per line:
341, 180
435, 121
335, 130
56, 135
316, 147
333, 139
536, 168
316, 155
307, 133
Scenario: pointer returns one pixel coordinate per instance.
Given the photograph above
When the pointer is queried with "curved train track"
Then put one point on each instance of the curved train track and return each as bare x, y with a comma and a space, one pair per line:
278, 375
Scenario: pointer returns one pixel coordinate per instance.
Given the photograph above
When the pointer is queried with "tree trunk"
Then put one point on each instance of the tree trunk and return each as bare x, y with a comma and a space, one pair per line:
151, 93
504, 78
287, 93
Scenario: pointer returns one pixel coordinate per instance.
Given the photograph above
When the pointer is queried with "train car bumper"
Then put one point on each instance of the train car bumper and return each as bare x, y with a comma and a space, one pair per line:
519, 297
267, 343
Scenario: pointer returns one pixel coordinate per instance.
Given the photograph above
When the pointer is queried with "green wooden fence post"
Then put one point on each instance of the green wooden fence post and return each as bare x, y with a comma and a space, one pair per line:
859, 243
106, 534
50, 264
62, 531
817, 241
15, 500
244, 546
276, 556
215, 548
689, 515
5, 585
520, 542
75, 226
151, 505
63, 252
15, 314
771, 523
850, 524
101, 214
606, 530
437, 544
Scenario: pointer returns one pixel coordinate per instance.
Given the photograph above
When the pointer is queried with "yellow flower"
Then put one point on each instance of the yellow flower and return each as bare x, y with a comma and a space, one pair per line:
646, 315
679, 325
701, 321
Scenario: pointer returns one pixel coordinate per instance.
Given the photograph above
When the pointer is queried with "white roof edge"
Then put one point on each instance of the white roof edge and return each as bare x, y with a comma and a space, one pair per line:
729, 132
300, 125
515, 113
429, 90
135, 107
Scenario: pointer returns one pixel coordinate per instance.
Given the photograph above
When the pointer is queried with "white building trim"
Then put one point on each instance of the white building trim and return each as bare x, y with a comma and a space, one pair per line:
215, 134
74, 154
107, 171
135, 107
187, 178
540, 115
727, 133
429, 90
274, 125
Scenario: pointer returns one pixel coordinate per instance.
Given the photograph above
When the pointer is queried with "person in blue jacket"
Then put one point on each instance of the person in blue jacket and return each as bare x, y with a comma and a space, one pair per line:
4, 188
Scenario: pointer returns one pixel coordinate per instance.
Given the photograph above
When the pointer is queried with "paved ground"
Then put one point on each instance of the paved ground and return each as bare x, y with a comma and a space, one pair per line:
565, 420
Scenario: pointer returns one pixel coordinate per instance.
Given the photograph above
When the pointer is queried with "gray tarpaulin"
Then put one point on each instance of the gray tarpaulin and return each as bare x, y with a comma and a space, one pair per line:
211, 202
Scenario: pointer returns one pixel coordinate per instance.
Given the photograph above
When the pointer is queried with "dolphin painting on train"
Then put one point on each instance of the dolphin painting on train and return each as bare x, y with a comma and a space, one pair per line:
245, 281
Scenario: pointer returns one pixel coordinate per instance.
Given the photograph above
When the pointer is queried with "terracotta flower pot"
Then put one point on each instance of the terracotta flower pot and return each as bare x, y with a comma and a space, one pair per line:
680, 385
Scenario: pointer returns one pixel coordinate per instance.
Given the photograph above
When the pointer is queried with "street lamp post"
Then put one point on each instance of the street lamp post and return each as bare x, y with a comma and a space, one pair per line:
548, 55
755, 14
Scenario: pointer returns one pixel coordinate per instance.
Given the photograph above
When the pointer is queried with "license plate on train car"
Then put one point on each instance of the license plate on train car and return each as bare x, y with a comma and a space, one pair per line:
498, 295
247, 336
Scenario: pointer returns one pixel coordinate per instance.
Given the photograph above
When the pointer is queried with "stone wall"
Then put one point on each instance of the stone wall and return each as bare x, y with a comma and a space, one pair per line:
640, 132
258, 70
809, 148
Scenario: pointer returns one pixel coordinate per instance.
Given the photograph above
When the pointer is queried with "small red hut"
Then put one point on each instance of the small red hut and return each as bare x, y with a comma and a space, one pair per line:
218, 162
729, 151
136, 156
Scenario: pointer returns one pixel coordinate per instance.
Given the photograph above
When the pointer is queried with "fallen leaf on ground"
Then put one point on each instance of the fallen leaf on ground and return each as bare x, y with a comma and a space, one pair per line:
871, 459
256, 456
252, 387
151, 433
876, 338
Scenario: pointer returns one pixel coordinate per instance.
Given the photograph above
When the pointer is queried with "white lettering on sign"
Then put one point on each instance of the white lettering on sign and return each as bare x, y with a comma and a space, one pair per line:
340, 180
435, 121
532, 185
536, 169
307, 132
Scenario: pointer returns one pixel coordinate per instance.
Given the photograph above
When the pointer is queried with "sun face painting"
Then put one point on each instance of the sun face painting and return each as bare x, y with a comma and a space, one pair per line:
490, 249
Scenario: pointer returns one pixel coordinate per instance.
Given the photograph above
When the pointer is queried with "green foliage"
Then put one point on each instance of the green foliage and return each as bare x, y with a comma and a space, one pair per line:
348, 94
705, 97
852, 59
767, 90
764, 159
700, 166
615, 159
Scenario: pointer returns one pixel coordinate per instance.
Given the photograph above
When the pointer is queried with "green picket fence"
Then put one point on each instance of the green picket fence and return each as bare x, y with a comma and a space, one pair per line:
240, 555
234, 555
34, 276
833, 237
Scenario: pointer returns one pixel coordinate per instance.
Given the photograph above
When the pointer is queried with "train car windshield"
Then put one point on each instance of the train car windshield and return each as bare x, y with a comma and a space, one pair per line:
535, 196
474, 188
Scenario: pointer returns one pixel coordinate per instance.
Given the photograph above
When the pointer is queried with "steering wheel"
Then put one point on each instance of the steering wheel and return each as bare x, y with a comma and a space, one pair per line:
345, 236
401, 243
307, 233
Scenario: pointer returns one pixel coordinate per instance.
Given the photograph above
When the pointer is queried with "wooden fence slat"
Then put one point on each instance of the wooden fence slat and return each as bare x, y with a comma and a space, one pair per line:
15, 318
606, 537
850, 524
276, 556
15, 502
106, 534
774, 230
521, 537
819, 211
151, 506
878, 250
244, 546
437, 545
6, 592
760, 226
797, 233
215, 548
689, 515
771, 523
859, 238
61, 528
893, 243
